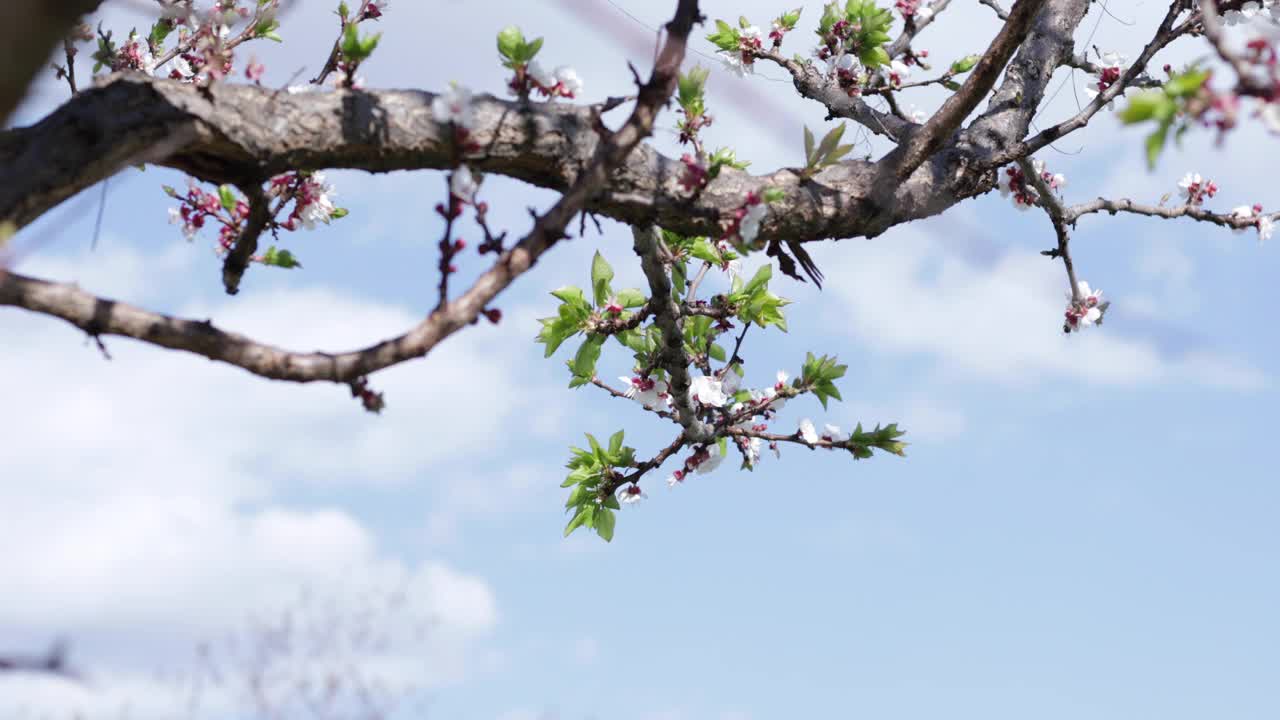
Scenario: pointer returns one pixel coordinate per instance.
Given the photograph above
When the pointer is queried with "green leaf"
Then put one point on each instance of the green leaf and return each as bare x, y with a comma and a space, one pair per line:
874, 57
1186, 84
964, 64
615, 443
606, 519
759, 281
775, 194
951, 85
601, 275
530, 50
280, 258
725, 37
829, 143
227, 196
789, 19
267, 29
571, 295
580, 519
717, 353
1155, 144
808, 146
631, 298
584, 363
510, 41
1147, 105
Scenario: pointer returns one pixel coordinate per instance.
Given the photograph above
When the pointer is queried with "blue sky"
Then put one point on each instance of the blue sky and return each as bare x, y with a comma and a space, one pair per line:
1083, 526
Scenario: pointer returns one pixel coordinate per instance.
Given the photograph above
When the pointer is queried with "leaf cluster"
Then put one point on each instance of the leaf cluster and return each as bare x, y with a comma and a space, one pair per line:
589, 470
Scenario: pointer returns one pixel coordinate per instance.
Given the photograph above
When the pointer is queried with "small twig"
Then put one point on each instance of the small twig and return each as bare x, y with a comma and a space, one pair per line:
1057, 215
1000, 12
237, 261
697, 280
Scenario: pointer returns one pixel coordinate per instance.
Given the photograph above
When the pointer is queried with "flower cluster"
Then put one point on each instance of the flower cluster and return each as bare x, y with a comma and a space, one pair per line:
741, 60
1017, 186
198, 206
693, 175
1253, 213
747, 218
1111, 67
312, 196
652, 394
1196, 188
911, 9
1084, 308
563, 82
1250, 10
830, 433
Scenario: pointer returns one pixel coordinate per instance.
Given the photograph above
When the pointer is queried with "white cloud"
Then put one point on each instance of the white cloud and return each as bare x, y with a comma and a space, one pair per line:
146, 497
905, 293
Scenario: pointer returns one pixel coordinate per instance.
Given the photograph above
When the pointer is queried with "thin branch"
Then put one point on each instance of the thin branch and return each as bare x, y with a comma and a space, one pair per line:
619, 394
1194, 212
1057, 215
237, 260
913, 28
671, 357
1165, 34
813, 84
995, 6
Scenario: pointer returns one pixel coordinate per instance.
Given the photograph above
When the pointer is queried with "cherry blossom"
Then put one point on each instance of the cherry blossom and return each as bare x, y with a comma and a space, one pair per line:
675, 478
463, 185
833, 433
708, 391
629, 494
375, 8
1110, 68
711, 459
647, 392
454, 105
1197, 188
568, 80
315, 203
749, 226
898, 71
807, 432
1085, 312
1244, 14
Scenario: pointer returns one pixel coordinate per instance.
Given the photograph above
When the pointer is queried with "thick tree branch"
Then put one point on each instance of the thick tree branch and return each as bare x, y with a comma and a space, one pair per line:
1165, 34
29, 32
239, 134
1011, 108
666, 316
923, 144
97, 316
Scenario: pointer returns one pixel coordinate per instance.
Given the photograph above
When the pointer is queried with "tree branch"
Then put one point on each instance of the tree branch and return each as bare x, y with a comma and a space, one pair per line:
923, 144
98, 316
666, 316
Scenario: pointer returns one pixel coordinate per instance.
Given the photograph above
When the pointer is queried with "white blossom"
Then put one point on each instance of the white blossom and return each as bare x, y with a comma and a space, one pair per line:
749, 227
1265, 228
1244, 14
808, 432
630, 494
454, 105
833, 433
714, 458
569, 81
320, 206
732, 60
463, 185
707, 390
